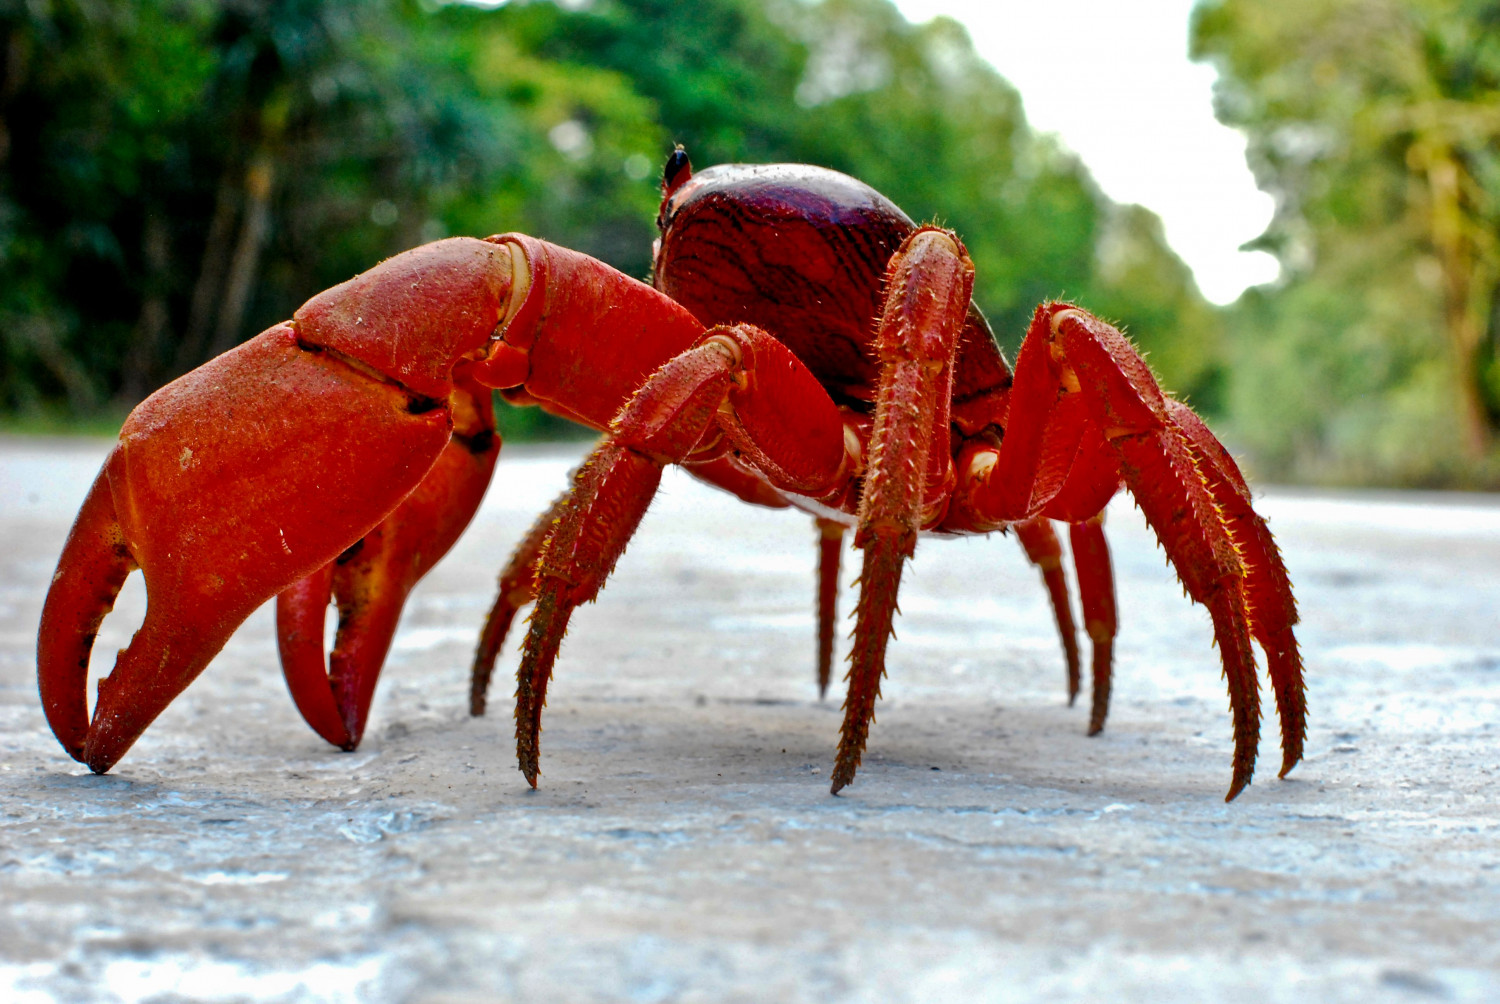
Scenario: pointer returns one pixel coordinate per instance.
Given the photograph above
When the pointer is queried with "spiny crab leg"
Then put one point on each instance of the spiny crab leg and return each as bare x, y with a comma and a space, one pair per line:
1043, 550
928, 283
610, 495
1268, 588
1072, 360
516, 588
372, 579
766, 404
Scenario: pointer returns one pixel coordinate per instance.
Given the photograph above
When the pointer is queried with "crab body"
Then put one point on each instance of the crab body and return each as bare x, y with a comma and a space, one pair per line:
801, 252
804, 344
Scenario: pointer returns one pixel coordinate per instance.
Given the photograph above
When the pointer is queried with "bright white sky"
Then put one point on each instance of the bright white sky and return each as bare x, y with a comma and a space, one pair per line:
1112, 79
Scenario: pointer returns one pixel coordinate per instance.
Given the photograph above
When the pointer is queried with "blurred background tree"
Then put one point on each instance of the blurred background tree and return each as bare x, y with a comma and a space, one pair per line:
176, 175
1376, 124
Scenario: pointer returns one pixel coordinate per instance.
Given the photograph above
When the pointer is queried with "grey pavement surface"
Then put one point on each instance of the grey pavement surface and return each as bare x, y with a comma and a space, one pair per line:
683, 845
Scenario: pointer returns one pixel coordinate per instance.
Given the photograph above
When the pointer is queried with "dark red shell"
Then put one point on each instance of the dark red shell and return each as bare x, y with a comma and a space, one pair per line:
801, 252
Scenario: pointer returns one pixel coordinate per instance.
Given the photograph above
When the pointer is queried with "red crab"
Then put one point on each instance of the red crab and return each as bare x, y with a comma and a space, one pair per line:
804, 344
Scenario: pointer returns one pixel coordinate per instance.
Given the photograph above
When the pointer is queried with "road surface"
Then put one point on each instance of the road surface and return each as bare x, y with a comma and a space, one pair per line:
683, 845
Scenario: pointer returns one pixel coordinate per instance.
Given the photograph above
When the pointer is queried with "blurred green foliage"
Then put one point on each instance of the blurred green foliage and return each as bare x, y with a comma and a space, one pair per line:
1376, 124
176, 175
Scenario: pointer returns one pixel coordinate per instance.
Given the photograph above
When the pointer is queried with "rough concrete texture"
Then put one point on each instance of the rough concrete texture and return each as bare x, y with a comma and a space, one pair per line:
683, 845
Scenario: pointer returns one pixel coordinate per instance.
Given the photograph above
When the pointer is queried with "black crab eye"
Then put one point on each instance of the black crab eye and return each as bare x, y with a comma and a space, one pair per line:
677, 170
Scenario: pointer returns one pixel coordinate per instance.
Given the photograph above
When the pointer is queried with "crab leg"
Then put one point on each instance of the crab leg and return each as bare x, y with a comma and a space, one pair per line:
830, 546
1043, 550
928, 283
611, 491
610, 495
516, 589
763, 400
1170, 491
1268, 588
1069, 357
1086, 488
1096, 590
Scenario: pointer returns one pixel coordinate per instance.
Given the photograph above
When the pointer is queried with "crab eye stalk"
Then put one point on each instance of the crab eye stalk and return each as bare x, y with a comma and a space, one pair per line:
678, 169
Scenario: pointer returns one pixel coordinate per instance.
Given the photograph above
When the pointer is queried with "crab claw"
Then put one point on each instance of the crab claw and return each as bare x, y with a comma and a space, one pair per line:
372, 579
227, 486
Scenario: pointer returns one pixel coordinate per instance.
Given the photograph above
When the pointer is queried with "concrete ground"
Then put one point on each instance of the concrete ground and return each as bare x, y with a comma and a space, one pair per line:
683, 845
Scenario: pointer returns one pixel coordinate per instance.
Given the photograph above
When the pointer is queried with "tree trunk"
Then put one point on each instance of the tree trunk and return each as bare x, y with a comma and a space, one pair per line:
255, 226
1466, 287
140, 373
211, 268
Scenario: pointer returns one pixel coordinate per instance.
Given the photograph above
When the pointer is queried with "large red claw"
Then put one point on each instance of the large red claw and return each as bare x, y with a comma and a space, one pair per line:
228, 485
371, 580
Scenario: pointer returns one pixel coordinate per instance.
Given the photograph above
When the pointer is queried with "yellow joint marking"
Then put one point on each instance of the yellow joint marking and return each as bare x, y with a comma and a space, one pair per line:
725, 346
520, 285
930, 236
854, 453
1066, 376
1061, 315
729, 349
980, 465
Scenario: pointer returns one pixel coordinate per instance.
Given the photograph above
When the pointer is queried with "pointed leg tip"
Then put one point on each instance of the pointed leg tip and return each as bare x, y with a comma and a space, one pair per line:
1288, 764
330, 728
1238, 785
351, 739
100, 764
100, 761
1095, 728
1072, 698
